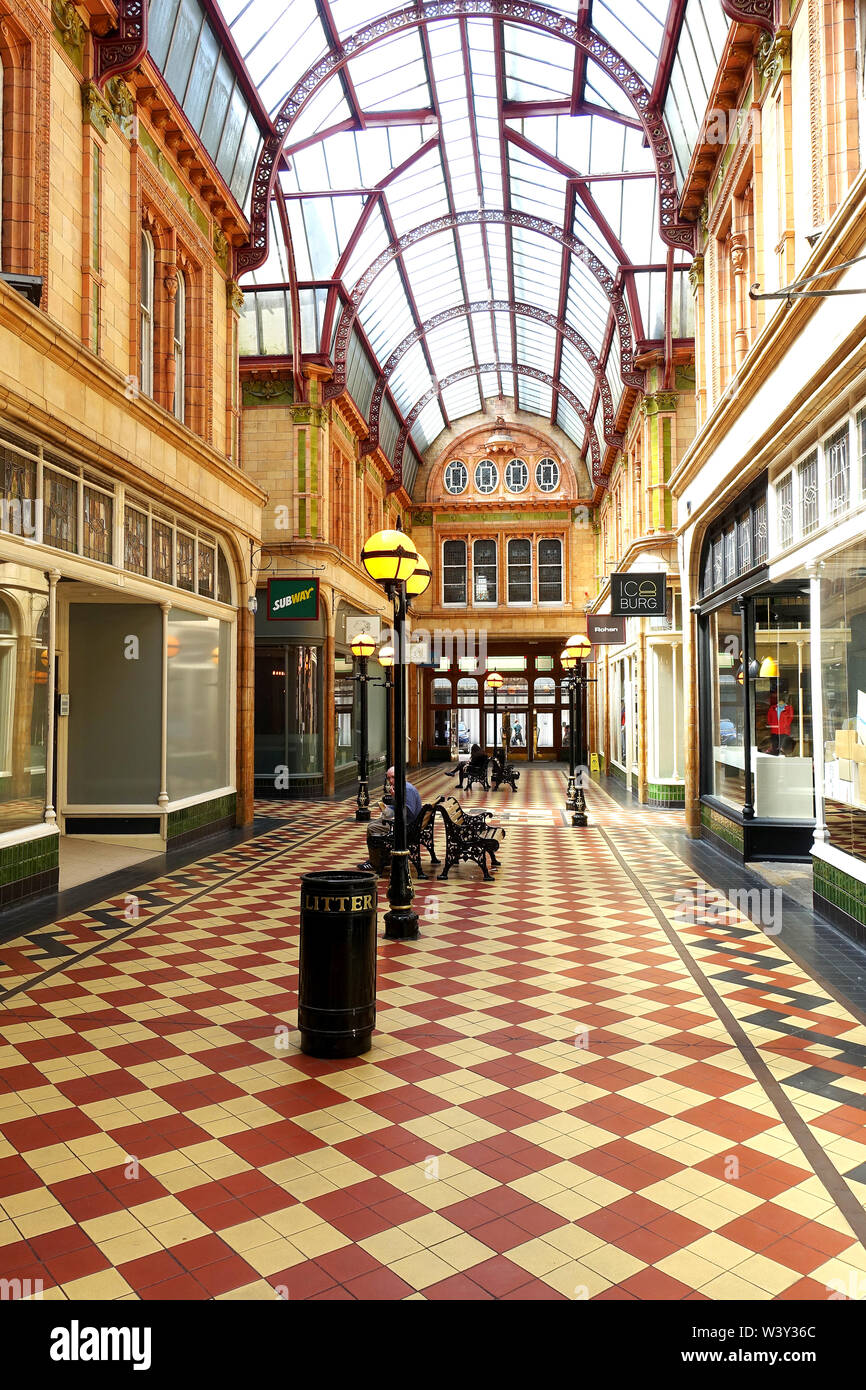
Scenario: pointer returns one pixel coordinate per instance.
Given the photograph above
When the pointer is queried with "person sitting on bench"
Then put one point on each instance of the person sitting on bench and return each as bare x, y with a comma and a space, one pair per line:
477, 759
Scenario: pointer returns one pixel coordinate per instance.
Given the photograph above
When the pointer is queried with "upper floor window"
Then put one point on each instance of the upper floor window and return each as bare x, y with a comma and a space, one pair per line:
550, 571
785, 510
180, 348
456, 477
454, 572
517, 476
486, 476
484, 584
519, 571
547, 475
146, 327
808, 480
838, 470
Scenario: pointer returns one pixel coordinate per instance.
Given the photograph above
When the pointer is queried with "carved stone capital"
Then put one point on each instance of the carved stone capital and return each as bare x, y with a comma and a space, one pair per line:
69, 28
696, 274
95, 109
234, 296
122, 103
773, 56
170, 283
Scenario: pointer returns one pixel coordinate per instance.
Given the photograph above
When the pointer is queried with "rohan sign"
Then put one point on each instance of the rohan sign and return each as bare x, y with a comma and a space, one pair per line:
293, 600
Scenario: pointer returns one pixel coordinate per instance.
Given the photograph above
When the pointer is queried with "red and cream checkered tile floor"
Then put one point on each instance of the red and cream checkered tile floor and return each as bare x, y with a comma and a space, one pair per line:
573, 1093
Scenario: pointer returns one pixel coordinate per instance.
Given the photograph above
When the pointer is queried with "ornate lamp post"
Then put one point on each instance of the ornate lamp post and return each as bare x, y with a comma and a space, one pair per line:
391, 559
386, 661
577, 650
363, 648
494, 683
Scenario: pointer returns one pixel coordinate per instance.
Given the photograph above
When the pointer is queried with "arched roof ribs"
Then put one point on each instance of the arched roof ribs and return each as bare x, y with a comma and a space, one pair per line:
564, 329
611, 285
672, 230
509, 368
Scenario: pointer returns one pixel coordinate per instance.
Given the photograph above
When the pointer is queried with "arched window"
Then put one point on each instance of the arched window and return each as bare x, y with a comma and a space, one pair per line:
515, 692
467, 691
146, 331
486, 476
180, 348
441, 691
550, 571
545, 690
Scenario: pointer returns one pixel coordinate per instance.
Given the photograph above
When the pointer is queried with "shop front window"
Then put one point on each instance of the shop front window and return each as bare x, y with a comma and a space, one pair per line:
777, 686
728, 780
23, 704
468, 715
288, 738
843, 664
344, 701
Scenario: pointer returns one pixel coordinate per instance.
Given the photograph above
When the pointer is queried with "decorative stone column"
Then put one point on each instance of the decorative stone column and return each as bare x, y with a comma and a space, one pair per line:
696, 280
659, 411
50, 809
814, 571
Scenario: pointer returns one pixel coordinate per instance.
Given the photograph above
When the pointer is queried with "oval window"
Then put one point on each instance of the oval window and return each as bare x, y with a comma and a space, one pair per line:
547, 475
456, 477
486, 476
516, 476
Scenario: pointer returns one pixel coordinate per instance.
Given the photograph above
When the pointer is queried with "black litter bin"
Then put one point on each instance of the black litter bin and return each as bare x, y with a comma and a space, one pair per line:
337, 968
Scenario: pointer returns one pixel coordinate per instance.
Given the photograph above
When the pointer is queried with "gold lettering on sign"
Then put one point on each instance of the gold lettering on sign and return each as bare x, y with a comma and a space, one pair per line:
359, 903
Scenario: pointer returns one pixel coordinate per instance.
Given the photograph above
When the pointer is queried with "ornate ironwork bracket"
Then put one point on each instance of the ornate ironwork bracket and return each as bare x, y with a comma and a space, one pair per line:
123, 48
761, 13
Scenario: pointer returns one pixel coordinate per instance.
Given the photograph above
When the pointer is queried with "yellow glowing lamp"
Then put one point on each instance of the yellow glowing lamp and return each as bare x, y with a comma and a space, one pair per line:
494, 681
769, 668
419, 580
386, 657
579, 646
363, 645
568, 659
389, 556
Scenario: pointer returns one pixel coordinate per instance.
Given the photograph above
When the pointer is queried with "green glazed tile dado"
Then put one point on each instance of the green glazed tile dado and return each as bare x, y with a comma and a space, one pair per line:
203, 813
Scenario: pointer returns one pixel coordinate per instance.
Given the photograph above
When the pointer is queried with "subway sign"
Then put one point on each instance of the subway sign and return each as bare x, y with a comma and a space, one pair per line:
638, 595
293, 600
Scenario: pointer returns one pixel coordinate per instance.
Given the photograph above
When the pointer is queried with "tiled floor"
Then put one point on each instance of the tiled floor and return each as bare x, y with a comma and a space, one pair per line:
588, 1081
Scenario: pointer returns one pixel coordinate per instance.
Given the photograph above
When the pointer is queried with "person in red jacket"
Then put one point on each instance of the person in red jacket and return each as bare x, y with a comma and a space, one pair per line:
780, 717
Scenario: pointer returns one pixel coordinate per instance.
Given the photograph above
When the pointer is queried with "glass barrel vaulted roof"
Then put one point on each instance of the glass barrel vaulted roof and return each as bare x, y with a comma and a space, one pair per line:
534, 166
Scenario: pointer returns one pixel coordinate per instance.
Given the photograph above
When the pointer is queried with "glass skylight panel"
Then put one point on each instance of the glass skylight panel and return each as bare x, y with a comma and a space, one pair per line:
503, 336
428, 426
248, 329
361, 374
418, 195
537, 65
450, 347
702, 39
433, 273
327, 108
484, 342
603, 91
536, 343
389, 428
535, 188
570, 422
651, 294
586, 229
371, 242
391, 75
683, 315
612, 371
634, 31
275, 270
410, 379
587, 305
352, 15
490, 386
274, 322
462, 398
534, 396
537, 269
576, 372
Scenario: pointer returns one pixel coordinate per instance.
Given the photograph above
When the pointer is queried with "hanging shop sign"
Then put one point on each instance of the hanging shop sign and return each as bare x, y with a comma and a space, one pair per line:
293, 600
638, 595
602, 630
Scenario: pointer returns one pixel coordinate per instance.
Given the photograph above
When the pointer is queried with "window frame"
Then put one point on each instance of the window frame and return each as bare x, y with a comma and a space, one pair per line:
455, 492
486, 540
516, 491
550, 602
179, 340
548, 459
494, 474
455, 603
147, 317
509, 601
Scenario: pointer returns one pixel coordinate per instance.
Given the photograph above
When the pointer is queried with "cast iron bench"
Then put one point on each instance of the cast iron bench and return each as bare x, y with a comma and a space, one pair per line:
468, 837
503, 772
477, 773
419, 831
